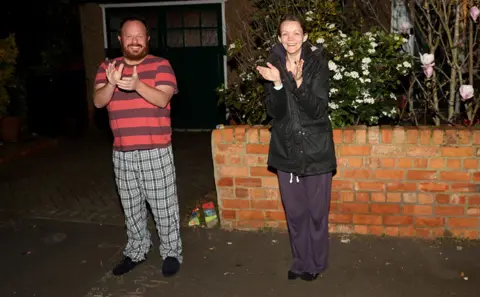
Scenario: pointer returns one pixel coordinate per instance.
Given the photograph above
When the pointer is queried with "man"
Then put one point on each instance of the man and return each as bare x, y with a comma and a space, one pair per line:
136, 89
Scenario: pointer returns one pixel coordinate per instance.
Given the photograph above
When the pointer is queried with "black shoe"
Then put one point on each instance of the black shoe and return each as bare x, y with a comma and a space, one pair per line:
306, 276
292, 275
125, 266
170, 267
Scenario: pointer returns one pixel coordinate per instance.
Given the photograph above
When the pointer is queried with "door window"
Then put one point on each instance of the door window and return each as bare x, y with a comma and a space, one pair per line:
192, 28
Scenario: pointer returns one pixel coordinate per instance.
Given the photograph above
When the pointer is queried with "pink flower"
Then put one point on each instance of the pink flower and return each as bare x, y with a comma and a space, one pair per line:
474, 13
466, 91
427, 59
428, 70
405, 27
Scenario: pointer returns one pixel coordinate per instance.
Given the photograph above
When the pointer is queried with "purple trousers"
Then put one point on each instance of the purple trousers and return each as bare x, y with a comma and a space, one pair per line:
306, 201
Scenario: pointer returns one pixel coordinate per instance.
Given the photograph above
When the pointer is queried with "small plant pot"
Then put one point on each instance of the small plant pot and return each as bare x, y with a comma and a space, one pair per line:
10, 129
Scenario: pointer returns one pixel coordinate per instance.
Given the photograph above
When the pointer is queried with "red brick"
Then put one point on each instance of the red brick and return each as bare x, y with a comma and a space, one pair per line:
421, 175
379, 197
355, 150
389, 174
357, 173
470, 164
264, 204
445, 210
387, 135
474, 200
457, 151
270, 182
413, 136
362, 196
235, 203
391, 231
353, 208
420, 163
231, 148
463, 222
405, 163
257, 148
260, 171
248, 215
388, 150
385, 208
376, 230
454, 176
225, 182
394, 197
240, 133
387, 162
348, 136
476, 137
372, 186
241, 193
465, 188
227, 135
275, 215
464, 136
417, 210
337, 135
424, 198
346, 196
360, 135
234, 159
355, 162
473, 211
437, 137
220, 158
399, 135
361, 229
253, 135
398, 220
425, 136
367, 219
342, 184
422, 151
465, 233
436, 163
248, 182
409, 197
454, 164
340, 218
264, 136
429, 222
396, 187
228, 214
233, 171
432, 187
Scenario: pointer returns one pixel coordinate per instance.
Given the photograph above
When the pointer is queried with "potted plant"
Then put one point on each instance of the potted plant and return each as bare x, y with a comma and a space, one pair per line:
9, 124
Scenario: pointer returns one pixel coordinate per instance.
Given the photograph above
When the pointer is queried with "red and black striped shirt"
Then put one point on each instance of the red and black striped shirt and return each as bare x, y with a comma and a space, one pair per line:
136, 123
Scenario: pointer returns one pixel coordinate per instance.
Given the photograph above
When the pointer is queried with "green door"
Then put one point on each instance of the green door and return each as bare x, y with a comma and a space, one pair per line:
190, 37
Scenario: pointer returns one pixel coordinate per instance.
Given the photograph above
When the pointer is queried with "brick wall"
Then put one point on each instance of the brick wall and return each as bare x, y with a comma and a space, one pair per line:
393, 181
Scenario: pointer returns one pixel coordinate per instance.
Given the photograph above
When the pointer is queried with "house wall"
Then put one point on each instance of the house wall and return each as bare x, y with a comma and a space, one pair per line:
91, 20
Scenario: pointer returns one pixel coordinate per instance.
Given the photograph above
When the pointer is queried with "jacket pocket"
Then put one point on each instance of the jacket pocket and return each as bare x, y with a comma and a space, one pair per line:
317, 147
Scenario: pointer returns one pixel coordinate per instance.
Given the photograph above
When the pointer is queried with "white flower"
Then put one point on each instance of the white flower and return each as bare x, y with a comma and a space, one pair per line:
343, 35
320, 40
393, 111
373, 44
427, 59
404, 40
366, 72
331, 26
337, 76
407, 64
231, 46
309, 12
393, 96
371, 51
367, 80
354, 74
332, 66
333, 91
366, 60
241, 97
396, 37
333, 105
308, 19
368, 34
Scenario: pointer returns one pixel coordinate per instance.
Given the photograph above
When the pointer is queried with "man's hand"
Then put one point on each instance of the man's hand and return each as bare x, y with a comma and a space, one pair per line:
129, 83
114, 75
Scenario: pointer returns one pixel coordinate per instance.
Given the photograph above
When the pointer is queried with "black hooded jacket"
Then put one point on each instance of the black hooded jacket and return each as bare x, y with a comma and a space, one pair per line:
301, 136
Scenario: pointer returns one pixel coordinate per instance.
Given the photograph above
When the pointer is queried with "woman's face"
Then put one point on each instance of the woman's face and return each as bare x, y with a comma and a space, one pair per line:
291, 36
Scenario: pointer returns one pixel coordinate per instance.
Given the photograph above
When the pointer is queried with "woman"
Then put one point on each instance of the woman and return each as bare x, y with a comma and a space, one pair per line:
301, 145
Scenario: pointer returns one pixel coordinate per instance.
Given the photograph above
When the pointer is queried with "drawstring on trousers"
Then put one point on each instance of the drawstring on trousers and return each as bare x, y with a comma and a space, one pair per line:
291, 178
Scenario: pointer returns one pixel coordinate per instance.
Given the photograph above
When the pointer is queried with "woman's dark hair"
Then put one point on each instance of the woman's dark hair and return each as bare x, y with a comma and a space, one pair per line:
133, 19
291, 18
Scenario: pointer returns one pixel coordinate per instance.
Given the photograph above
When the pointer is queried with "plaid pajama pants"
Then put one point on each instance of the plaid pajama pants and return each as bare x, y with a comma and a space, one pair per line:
149, 176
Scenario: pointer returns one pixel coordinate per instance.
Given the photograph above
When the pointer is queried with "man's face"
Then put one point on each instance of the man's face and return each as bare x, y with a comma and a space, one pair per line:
134, 40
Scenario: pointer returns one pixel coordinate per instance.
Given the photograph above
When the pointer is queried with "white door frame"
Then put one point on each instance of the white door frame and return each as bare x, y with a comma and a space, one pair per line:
170, 3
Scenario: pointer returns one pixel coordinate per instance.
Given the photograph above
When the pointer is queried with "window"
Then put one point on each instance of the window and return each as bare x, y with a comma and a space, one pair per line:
192, 28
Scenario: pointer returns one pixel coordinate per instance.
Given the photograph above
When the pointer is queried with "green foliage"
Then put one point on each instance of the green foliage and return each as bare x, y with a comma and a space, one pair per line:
354, 84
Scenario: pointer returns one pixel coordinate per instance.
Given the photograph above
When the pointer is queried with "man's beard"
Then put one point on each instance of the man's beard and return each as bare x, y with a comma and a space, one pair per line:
135, 56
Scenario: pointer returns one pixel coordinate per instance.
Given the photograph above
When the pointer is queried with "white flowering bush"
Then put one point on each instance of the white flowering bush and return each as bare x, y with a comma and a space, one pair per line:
365, 73
365, 68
